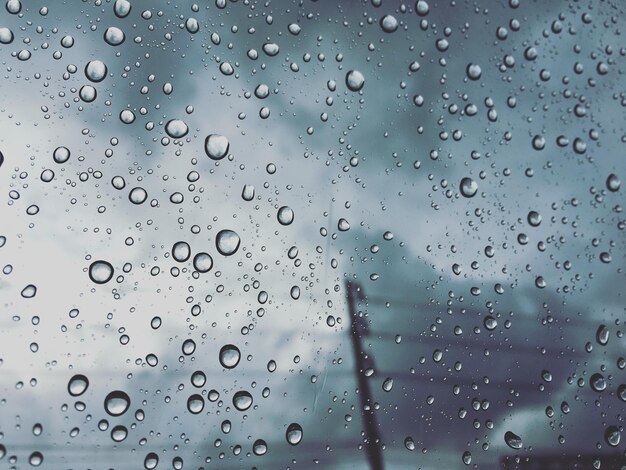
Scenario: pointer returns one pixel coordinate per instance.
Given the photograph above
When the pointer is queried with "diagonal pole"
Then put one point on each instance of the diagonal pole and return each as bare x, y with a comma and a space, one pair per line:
358, 329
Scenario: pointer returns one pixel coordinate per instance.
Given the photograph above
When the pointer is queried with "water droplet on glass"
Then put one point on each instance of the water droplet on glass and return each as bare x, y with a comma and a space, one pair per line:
6, 36
114, 36
176, 128
119, 433
35, 459
242, 400
181, 251
61, 154
77, 385
285, 215
229, 356
216, 146
294, 434
613, 183
195, 404
137, 195
612, 436
597, 382
602, 335
127, 116
29, 291
122, 8
116, 403
227, 242
534, 218
513, 440
87, 93
189, 346
388, 384
259, 447
151, 461
389, 23
100, 271
96, 71
468, 187
473, 71
355, 80
202, 262
247, 194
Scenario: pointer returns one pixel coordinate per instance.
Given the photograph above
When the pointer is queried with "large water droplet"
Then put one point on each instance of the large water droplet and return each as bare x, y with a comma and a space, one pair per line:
259, 447
61, 154
285, 215
195, 404
613, 183
389, 23
116, 403
294, 434
202, 262
151, 461
114, 36
227, 242
77, 385
612, 436
242, 400
176, 128
355, 80
229, 356
100, 271
468, 187
216, 146
122, 8
181, 251
35, 459
96, 71
513, 440
137, 195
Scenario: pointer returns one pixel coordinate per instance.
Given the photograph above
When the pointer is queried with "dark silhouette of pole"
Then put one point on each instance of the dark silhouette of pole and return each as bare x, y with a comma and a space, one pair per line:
358, 329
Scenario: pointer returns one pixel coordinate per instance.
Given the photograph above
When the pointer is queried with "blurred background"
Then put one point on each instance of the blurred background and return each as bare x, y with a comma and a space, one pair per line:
428, 202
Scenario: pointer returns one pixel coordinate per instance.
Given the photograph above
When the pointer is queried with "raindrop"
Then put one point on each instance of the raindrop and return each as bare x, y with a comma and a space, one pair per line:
77, 385
613, 183
176, 128
114, 36
151, 461
602, 335
285, 215
181, 251
216, 146
35, 459
355, 80
229, 356
259, 447
100, 271
137, 195
534, 218
597, 382
389, 23
29, 291
195, 404
513, 440
247, 194
116, 403
388, 384
6, 36
189, 346
294, 434
227, 242
127, 116
122, 8
242, 400
612, 436
119, 433
87, 93
473, 71
468, 187
61, 154
96, 71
